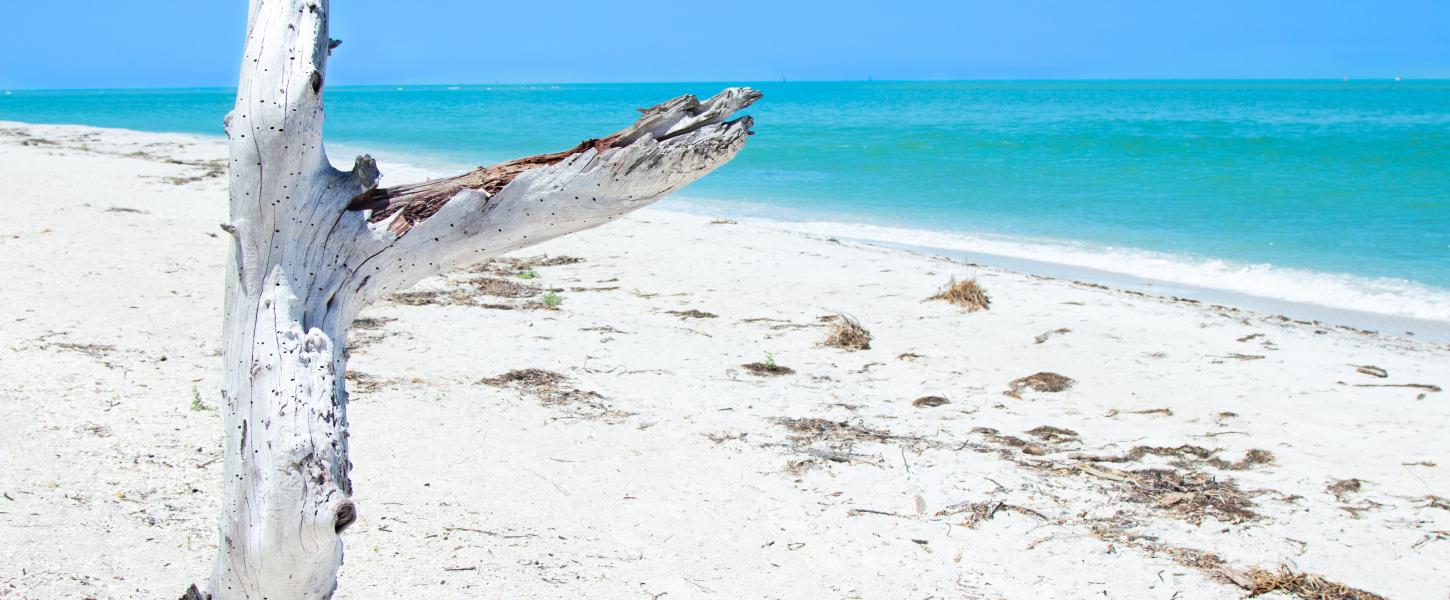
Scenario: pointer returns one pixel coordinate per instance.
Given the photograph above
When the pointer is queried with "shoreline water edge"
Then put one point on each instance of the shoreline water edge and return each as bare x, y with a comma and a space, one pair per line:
1397, 307
1390, 306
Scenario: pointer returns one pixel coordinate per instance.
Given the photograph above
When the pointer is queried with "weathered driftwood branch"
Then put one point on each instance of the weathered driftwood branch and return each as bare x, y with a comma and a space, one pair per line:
313, 245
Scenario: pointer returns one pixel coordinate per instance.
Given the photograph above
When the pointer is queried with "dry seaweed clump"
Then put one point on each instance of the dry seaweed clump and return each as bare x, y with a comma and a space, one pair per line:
767, 368
503, 288
526, 379
814, 429
929, 401
692, 314
1039, 382
974, 513
848, 334
1187, 456
1053, 435
966, 293
1190, 496
1303, 585
1343, 488
552, 388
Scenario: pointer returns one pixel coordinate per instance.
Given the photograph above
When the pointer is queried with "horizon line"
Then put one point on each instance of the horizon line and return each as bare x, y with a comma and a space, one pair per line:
1346, 79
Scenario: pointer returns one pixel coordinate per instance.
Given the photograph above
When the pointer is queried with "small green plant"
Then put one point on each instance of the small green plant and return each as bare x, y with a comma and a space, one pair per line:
526, 273
552, 300
196, 403
770, 360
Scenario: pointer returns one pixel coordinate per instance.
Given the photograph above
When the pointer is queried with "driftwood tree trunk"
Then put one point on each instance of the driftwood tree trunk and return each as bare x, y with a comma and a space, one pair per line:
313, 245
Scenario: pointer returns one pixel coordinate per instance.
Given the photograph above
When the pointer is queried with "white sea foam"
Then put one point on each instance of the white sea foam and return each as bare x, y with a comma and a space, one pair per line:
1386, 296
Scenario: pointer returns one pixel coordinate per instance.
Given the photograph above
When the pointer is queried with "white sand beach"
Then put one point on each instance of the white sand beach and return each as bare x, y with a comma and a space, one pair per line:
1196, 452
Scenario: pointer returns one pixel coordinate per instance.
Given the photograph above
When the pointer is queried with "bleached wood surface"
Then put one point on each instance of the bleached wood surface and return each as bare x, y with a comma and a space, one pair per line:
314, 245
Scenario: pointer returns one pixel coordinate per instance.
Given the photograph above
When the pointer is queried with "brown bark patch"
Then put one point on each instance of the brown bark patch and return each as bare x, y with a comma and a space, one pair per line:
419, 201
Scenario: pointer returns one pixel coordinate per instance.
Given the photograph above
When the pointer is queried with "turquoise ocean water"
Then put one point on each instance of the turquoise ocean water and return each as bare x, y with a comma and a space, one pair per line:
1325, 193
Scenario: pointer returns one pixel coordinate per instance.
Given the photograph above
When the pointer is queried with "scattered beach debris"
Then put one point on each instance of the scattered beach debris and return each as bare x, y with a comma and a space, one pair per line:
1435, 502
1187, 455
1011, 441
527, 379
692, 314
604, 329
908, 356
1053, 435
1240, 356
1343, 488
1433, 536
974, 513
512, 267
833, 441
1418, 386
124, 209
424, 297
1250, 337
91, 350
1040, 382
503, 288
966, 293
1046, 335
553, 389
470, 291
723, 222
760, 368
1190, 496
1371, 370
1113, 412
209, 169
848, 334
1304, 585
815, 429
929, 401
366, 331
769, 367
369, 323
363, 382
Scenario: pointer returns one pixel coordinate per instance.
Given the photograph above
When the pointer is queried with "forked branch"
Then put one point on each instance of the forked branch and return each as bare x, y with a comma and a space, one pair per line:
431, 226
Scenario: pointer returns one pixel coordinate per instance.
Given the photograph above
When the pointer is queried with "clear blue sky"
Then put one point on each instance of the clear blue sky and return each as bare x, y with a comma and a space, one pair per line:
158, 43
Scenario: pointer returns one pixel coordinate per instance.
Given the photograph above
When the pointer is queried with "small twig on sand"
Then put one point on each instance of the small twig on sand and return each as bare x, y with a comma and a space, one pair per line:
1419, 386
867, 511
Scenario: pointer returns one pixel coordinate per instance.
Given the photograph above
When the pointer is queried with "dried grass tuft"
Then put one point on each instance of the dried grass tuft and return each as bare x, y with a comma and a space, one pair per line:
966, 293
848, 334
1303, 585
